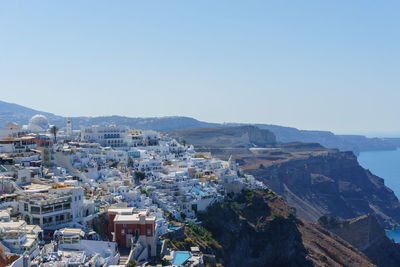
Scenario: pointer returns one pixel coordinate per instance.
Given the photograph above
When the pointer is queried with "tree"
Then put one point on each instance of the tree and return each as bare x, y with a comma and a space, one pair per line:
140, 175
183, 215
130, 162
54, 130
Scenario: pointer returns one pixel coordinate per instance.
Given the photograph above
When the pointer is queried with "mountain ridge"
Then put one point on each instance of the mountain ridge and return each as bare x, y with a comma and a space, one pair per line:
10, 112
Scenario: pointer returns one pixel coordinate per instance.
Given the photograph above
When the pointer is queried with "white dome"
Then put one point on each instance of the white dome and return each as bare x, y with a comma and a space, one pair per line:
38, 122
12, 126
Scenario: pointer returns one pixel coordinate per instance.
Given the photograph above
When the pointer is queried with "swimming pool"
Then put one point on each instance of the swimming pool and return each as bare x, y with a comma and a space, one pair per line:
199, 192
180, 257
170, 226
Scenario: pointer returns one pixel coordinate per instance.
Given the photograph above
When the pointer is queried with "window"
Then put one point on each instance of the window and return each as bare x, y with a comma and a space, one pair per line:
35, 210
123, 232
130, 231
148, 231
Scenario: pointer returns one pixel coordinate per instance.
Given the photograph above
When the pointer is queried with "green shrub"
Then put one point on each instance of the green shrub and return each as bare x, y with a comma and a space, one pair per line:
164, 262
142, 191
132, 263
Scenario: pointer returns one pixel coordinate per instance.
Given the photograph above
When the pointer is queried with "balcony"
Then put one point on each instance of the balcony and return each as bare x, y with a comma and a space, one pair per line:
58, 208
57, 222
45, 202
55, 212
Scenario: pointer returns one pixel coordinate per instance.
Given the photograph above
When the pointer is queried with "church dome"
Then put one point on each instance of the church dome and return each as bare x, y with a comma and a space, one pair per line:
39, 122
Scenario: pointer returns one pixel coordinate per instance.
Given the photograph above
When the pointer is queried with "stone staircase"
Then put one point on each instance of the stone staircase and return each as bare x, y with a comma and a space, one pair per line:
123, 260
124, 256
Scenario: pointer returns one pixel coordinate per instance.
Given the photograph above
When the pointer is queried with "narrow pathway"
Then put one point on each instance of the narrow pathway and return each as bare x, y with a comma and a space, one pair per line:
124, 256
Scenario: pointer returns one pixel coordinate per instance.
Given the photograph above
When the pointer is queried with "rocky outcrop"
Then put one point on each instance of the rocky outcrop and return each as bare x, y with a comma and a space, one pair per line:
366, 234
241, 136
355, 143
331, 183
258, 229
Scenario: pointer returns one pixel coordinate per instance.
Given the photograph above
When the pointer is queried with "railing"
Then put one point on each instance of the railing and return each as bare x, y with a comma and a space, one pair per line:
55, 210
45, 202
63, 221
57, 222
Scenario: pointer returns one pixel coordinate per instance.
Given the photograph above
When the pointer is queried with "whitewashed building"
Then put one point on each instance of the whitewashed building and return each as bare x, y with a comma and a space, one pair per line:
110, 135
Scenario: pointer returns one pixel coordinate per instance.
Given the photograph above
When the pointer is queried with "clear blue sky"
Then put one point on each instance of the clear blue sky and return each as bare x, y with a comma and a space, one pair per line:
330, 65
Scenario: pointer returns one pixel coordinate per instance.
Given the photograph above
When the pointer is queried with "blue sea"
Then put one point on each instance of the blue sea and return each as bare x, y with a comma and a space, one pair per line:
385, 164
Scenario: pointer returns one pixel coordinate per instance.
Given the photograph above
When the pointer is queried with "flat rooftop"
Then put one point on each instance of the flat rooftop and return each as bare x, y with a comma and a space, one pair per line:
72, 231
36, 188
133, 218
12, 225
126, 211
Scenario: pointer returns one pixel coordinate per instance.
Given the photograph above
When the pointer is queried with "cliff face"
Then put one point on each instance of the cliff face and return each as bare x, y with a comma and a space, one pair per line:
258, 229
331, 183
367, 235
355, 143
241, 136
327, 249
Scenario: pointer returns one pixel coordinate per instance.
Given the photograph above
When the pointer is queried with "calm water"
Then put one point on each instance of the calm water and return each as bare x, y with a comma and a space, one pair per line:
385, 164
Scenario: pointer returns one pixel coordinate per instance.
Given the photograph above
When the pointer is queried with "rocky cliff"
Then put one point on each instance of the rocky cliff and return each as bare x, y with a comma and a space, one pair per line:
355, 143
241, 136
258, 229
327, 183
366, 234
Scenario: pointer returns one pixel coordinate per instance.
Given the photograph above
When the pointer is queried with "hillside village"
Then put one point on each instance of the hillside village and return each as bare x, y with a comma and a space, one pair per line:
105, 195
